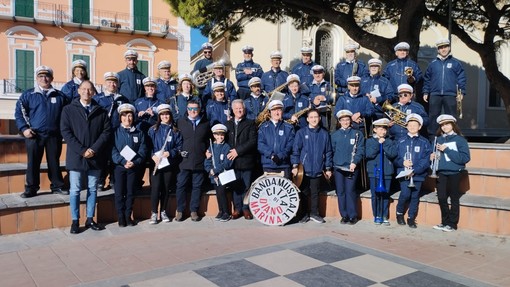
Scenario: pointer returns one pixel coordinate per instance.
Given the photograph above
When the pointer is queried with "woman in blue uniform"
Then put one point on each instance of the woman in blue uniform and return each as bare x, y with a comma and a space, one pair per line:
78, 75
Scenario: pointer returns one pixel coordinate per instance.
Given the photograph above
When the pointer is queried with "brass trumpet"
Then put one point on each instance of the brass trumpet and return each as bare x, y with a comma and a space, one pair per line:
408, 71
394, 114
459, 98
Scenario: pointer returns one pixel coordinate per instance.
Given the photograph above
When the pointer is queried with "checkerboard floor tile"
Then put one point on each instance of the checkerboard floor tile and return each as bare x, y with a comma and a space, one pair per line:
320, 262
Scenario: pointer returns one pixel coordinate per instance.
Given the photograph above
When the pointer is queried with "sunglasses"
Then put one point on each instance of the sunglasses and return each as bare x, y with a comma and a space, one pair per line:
318, 72
193, 109
404, 95
207, 52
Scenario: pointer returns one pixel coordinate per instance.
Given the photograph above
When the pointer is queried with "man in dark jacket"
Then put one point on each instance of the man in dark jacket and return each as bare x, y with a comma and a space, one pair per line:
86, 129
196, 135
38, 117
130, 79
242, 137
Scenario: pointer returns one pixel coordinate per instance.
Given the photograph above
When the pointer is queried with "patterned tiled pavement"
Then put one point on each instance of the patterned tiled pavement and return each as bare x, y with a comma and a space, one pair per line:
247, 253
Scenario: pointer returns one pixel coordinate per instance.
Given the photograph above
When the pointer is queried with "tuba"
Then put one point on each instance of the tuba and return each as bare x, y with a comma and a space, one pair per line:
201, 77
396, 115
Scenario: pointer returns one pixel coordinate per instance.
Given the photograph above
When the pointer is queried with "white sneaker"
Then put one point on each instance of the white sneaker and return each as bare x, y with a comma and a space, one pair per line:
154, 218
448, 228
439, 227
164, 217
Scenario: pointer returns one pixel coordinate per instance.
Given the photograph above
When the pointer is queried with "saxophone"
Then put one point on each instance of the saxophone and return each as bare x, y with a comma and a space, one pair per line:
264, 114
298, 115
459, 98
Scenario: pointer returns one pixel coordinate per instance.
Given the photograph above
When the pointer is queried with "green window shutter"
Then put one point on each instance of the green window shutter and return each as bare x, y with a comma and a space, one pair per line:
81, 11
24, 8
141, 15
24, 70
143, 66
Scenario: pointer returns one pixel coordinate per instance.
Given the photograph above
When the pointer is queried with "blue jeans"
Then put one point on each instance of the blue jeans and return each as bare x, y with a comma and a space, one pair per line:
75, 178
411, 194
197, 178
345, 183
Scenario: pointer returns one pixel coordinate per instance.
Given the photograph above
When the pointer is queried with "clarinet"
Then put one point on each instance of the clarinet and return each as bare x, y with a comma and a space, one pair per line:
353, 153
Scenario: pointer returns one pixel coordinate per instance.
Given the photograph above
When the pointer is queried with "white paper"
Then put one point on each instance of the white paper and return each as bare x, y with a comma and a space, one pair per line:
163, 161
375, 93
452, 146
127, 153
404, 173
227, 176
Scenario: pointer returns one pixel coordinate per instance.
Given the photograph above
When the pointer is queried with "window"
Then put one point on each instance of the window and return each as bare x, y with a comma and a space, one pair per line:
143, 66
24, 8
24, 70
141, 15
81, 11
495, 100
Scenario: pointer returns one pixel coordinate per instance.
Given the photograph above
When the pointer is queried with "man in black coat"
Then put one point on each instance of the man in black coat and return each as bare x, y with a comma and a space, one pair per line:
242, 138
85, 127
196, 135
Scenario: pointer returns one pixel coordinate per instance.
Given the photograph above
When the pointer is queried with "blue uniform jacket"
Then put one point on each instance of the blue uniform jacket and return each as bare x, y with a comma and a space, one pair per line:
275, 140
221, 161
110, 103
130, 84
377, 82
168, 136
303, 71
293, 105
272, 79
373, 156
343, 70
70, 89
312, 148
342, 142
443, 77
40, 112
166, 90
419, 147
360, 103
242, 78
455, 157
133, 138
323, 88
254, 106
202, 64
230, 90
394, 71
397, 131
217, 112
146, 120
179, 105
82, 131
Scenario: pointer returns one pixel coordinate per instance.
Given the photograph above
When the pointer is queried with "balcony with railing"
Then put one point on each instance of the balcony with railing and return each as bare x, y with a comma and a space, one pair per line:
65, 15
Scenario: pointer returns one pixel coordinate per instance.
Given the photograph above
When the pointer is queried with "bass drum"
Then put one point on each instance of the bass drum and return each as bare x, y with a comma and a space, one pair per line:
273, 200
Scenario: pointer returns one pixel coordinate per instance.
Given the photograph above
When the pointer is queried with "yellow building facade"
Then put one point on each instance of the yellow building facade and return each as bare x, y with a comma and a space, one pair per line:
57, 32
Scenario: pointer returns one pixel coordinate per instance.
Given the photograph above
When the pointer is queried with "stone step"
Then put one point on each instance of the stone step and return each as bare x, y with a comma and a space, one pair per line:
483, 214
486, 155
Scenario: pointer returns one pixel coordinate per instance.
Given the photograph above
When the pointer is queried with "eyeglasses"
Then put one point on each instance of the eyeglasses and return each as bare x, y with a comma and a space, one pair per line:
193, 109
404, 95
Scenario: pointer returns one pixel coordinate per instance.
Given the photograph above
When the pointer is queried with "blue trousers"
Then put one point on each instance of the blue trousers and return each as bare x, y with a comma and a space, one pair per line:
345, 183
241, 186
411, 195
380, 200
197, 178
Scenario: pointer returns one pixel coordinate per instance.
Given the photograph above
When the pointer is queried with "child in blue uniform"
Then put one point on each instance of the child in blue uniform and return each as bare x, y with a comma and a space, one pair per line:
413, 153
380, 192
217, 162
453, 156
348, 149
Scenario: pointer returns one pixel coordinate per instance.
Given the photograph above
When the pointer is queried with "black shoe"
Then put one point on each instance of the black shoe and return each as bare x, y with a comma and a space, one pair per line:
28, 194
353, 221
400, 219
93, 225
75, 227
130, 222
100, 187
411, 223
304, 219
60, 191
344, 220
122, 221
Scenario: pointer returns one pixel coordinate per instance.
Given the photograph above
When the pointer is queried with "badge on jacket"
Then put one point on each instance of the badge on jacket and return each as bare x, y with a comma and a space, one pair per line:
135, 139
169, 138
280, 132
417, 149
53, 100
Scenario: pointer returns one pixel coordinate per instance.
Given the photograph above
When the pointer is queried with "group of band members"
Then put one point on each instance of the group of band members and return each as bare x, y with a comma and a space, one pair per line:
166, 125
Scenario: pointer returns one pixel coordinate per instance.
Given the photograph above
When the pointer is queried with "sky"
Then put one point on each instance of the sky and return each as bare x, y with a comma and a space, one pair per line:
196, 41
